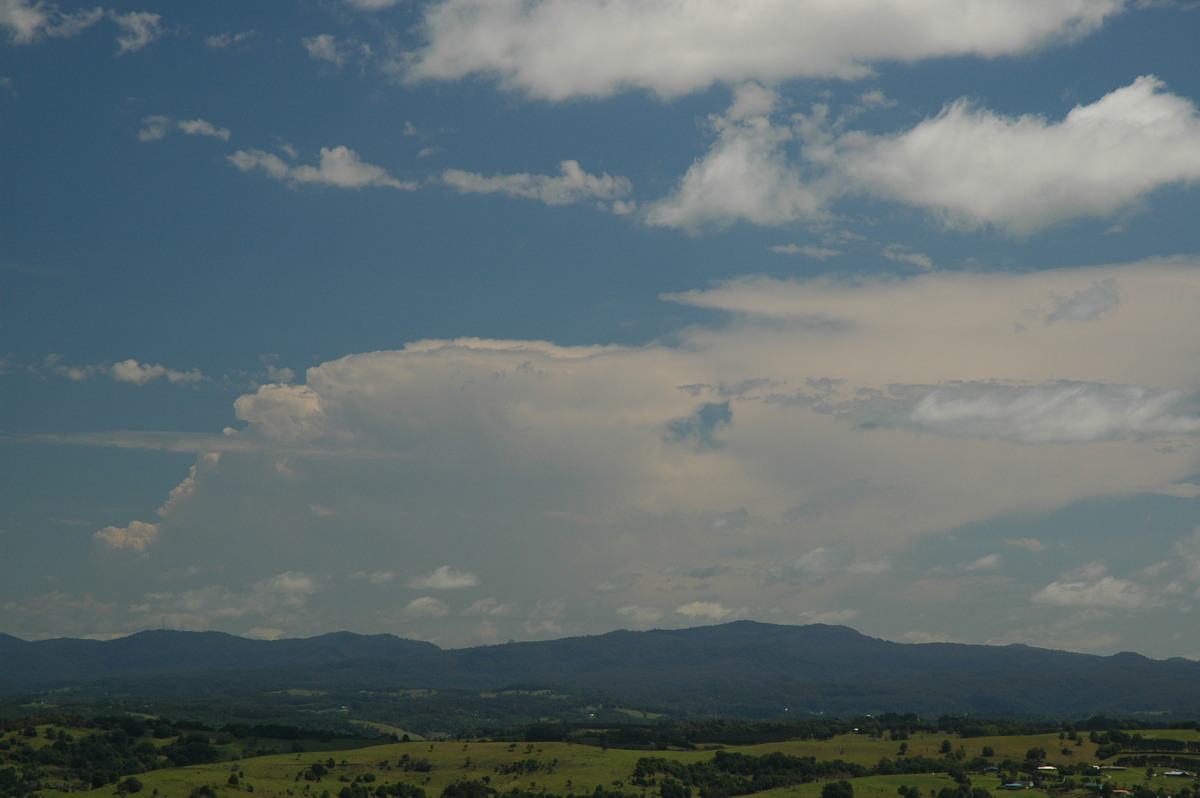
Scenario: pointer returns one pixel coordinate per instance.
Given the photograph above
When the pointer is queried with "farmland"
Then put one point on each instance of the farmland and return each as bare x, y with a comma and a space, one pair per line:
876, 762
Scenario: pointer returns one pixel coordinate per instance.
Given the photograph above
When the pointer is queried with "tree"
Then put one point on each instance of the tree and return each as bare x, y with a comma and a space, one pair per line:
838, 789
130, 785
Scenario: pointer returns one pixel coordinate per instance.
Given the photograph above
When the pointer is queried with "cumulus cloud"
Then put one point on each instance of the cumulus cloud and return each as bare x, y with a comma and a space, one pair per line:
339, 166
747, 175
813, 566
130, 371
988, 562
1029, 544
639, 617
972, 167
901, 254
556, 49
373, 5
141, 373
833, 617
136, 536
138, 29
712, 611
375, 577
820, 253
139, 535
328, 48
223, 41
489, 606
1087, 303
27, 22
283, 413
443, 578
155, 128
572, 184
291, 588
968, 166
1092, 586
426, 607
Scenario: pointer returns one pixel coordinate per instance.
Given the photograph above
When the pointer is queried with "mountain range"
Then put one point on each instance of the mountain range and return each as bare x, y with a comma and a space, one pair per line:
742, 669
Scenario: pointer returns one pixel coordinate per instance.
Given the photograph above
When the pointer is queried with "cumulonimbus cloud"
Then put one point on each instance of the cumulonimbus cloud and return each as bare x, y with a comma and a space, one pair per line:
790, 439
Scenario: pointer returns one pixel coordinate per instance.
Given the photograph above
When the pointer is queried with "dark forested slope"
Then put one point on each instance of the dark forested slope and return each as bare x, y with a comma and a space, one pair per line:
743, 668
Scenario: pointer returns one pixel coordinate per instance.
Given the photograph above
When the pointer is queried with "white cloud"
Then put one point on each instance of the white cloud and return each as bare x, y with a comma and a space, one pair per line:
972, 167
328, 48
572, 184
557, 49
223, 41
968, 166
283, 413
373, 5
1054, 412
813, 566
137, 536
339, 166
1029, 544
988, 562
375, 577
124, 371
141, 373
290, 589
900, 254
823, 473
138, 29
443, 578
705, 610
426, 607
200, 127
745, 176
833, 617
489, 606
820, 253
1087, 303
1091, 586
28, 22
639, 617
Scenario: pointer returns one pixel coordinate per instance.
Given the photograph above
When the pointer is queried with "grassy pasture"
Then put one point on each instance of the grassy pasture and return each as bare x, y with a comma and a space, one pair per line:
572, 768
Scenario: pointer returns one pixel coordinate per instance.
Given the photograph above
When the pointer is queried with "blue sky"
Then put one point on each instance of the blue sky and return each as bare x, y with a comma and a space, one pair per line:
479, 320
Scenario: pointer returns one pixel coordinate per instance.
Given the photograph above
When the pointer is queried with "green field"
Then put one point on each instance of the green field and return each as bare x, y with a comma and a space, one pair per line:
565, 768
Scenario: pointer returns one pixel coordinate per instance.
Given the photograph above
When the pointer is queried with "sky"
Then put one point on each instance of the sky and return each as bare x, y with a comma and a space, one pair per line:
484, 320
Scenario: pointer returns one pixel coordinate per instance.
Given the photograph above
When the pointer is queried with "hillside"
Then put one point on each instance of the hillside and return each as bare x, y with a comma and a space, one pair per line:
743, 669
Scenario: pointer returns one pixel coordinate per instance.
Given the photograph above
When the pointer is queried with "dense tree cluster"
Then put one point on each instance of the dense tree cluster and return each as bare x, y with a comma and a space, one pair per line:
474, 788
729, 774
